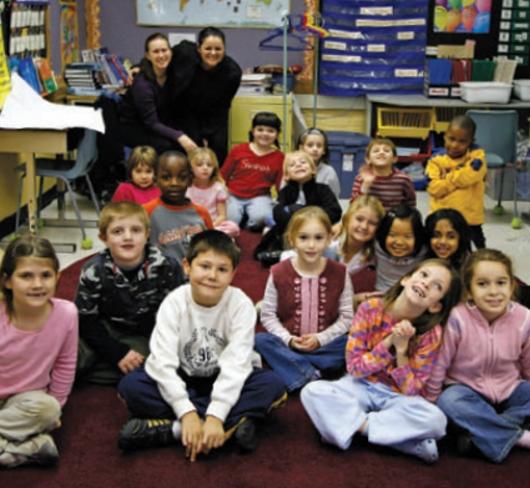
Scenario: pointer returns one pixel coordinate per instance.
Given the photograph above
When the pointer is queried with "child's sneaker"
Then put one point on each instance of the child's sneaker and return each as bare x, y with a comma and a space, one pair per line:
426, 450
142, 433
40, 449
245, 435
464, 444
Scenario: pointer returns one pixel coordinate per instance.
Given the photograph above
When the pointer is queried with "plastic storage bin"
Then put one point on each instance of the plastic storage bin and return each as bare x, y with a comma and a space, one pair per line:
486, 91
346, 155
404, 122
522, 89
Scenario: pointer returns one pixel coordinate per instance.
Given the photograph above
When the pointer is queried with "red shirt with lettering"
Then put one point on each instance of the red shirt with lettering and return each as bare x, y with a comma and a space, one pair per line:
248, 175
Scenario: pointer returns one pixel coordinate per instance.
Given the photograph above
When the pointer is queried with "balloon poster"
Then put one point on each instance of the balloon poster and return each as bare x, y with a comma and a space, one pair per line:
462, 16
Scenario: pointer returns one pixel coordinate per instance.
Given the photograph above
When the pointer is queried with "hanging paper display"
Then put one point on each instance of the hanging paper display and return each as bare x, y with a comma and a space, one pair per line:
69, 32
375, 46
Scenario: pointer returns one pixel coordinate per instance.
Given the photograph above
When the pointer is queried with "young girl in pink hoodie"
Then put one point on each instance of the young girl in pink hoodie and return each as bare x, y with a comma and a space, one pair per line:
484, 361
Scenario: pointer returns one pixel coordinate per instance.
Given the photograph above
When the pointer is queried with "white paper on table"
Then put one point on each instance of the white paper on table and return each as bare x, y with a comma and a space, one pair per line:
25, 109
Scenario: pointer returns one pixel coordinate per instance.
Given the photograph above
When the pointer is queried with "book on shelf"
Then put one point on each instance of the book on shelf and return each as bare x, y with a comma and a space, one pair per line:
99, 65
96, 92
47, 77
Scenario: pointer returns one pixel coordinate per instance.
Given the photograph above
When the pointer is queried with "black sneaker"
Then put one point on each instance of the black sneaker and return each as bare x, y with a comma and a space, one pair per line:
268, 258
142, 433
464, 444
245, 436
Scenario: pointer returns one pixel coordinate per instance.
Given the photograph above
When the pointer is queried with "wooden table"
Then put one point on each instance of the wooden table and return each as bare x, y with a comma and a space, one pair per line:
27, 142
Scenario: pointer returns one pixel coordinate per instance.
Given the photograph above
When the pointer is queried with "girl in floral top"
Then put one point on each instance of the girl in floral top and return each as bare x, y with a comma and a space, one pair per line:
389, 355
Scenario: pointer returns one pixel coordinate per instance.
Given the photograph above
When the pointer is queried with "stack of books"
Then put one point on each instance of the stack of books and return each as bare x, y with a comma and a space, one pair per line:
98, 71
255, 83
83, 78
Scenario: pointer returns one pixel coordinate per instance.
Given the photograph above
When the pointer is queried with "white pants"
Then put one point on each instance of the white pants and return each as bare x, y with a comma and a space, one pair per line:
339, 408
26, 414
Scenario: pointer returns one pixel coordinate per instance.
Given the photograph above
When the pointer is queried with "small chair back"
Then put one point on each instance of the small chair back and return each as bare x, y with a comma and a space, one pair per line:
497, 132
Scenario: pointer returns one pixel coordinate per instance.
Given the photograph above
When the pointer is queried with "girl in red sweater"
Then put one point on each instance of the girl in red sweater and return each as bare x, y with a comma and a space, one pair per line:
251, 170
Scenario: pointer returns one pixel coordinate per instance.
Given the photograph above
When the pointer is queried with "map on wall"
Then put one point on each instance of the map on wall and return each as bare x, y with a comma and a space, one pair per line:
226, 13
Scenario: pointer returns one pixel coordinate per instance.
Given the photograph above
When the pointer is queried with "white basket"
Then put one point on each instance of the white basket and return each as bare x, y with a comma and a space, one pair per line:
486, 91
522, 89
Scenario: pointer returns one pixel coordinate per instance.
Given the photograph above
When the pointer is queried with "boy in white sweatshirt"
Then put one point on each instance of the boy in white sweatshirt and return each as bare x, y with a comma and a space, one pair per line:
199, 384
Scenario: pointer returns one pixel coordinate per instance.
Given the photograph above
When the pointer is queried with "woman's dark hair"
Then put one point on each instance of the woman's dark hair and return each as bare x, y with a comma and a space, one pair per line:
464, 122
460, 226
210, 31
427, 320
145, 65
269, 119
24, 246
403, 212
313, 131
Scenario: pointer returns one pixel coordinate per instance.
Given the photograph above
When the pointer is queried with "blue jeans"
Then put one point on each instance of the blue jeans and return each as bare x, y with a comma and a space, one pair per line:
494, 429
297, 368
258, 210
142, 395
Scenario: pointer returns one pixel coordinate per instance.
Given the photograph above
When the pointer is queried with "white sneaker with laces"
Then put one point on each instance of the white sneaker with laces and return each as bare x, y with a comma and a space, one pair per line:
426, 449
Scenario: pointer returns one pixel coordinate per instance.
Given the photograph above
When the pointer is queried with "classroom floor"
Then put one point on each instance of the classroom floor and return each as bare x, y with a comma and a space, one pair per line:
499, 233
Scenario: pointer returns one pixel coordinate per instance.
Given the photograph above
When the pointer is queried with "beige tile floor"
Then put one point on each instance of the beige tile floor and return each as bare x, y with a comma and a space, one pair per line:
499, 234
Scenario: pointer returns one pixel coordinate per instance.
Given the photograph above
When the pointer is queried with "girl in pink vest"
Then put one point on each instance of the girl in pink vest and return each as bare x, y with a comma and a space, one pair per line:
484, 362
307, 306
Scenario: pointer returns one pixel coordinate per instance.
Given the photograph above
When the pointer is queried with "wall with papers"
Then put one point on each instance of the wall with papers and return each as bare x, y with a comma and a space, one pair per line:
375, 47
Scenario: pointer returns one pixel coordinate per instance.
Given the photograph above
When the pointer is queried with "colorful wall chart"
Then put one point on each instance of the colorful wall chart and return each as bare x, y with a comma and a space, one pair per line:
462, 16
69, 32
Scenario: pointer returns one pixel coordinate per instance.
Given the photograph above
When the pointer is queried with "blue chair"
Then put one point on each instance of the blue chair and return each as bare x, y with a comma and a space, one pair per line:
68, 171
497, 135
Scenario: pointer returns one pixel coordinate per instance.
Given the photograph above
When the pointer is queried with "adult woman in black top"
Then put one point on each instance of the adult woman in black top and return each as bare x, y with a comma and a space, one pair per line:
146, 111
205, 82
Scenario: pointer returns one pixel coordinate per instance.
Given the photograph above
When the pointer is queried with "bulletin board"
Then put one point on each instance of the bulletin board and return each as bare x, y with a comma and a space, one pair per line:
222, 13
503, 28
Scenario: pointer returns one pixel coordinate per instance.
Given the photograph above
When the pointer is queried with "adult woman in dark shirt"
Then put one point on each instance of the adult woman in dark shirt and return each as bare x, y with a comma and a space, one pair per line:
146, 112
205, 82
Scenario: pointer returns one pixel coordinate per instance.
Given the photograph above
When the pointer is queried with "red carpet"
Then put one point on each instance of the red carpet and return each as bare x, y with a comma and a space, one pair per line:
289, 454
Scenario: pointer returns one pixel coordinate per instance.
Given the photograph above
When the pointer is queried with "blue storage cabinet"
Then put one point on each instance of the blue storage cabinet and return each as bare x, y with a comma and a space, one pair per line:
346, 155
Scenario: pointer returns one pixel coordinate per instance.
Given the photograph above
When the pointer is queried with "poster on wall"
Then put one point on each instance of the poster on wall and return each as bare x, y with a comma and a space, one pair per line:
69, 32
222, 13
462, 16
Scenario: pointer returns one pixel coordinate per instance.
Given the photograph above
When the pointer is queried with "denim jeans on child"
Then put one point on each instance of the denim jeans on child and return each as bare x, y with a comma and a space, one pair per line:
494, 429
142, 395
297, 368
258, 210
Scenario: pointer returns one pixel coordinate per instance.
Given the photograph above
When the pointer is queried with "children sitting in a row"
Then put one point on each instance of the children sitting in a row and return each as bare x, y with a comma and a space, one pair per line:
250, 171
382, 351
197, 367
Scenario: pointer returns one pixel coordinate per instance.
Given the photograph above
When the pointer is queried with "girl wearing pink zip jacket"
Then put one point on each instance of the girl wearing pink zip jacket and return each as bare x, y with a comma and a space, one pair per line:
484, 361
